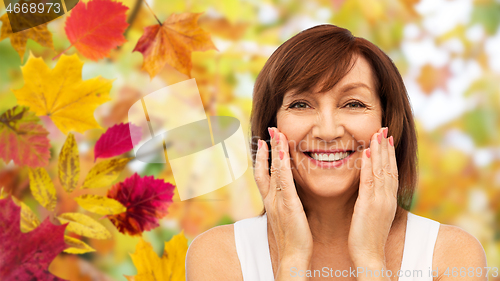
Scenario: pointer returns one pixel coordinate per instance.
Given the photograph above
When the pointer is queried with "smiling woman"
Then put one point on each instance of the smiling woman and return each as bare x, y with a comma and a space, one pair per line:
336, 167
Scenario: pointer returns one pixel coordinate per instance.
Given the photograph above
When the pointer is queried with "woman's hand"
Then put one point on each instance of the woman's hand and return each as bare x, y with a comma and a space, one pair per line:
283, 207
376, 204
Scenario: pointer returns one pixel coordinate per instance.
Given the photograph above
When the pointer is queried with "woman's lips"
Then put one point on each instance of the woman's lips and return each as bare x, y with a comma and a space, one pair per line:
325, 164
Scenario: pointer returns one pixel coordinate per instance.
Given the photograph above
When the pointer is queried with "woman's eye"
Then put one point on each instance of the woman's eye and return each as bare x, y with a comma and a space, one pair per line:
355, 105
299, 105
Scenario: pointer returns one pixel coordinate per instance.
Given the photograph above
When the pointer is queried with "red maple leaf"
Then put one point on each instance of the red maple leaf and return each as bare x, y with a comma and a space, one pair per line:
147, 200
26, 256
117, 140
96, 27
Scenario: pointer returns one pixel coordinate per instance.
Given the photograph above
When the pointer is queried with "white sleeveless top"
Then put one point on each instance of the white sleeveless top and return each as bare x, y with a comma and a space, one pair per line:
252, 247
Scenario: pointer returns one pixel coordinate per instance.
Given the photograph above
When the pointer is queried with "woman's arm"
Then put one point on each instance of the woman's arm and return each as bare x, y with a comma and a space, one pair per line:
212, 256
460, 256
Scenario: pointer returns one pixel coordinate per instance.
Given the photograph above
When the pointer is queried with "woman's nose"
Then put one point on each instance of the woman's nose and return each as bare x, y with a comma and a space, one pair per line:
328, 126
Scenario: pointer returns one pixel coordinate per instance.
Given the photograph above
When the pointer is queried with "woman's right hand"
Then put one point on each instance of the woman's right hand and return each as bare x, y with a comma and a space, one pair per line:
283, 207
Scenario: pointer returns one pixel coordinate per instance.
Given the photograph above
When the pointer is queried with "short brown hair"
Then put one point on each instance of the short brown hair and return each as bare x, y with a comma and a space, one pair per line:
325, 53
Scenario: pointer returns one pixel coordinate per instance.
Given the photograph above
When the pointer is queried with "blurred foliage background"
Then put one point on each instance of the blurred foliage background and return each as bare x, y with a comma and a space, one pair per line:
447, 51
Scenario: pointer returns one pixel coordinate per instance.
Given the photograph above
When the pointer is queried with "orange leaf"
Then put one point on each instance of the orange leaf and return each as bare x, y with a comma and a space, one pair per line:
431, 78
172, 43
96, 27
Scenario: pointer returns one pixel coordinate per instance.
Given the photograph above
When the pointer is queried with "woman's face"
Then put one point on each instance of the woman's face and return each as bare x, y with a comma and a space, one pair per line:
342, 119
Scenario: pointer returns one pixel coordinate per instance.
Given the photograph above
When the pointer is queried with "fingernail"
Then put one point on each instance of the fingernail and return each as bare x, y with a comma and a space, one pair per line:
282, 154
277, 138
379, 137
391, 141
271, 132
260, 144
385, 132
368, 153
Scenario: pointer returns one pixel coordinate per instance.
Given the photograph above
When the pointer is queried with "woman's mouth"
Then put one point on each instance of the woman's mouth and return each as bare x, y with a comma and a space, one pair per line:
329, 160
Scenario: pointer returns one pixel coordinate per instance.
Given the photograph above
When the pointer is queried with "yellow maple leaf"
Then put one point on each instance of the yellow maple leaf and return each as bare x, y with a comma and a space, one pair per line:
172, 42
39, 34
61, 93
170, 267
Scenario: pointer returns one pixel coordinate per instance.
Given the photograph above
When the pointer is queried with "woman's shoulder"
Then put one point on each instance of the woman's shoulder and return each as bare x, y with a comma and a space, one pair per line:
457, 248
212, 256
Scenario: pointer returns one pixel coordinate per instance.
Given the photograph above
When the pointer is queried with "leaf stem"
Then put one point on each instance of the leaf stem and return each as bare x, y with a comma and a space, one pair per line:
62, 52
132, 16
145, 2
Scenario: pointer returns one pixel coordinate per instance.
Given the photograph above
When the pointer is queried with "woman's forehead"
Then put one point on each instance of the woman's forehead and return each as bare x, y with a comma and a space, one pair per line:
360, 76
347, 87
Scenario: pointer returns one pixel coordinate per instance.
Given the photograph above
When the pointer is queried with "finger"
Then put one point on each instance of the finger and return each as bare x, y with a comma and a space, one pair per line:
386, 164
366, 181
376, 157
261, 172
274, 164
286, 183
394, 166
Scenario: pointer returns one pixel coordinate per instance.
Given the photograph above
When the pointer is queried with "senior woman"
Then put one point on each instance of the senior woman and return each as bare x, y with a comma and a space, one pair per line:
336, 167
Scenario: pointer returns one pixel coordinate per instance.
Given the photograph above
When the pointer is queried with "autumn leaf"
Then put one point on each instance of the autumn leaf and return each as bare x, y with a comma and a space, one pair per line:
69, 164
22, 139
26, 256
170, 267
223, 28
29, 220
42, 188
39, 34
117, 140
100, 205
172, 43
84, 225
61, 93
146, 199
96, 27
77, 246
174, 253
432, 78
105, 173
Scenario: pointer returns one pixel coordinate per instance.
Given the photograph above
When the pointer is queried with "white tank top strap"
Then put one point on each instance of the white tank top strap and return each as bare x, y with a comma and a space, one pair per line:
420, 239
252, 248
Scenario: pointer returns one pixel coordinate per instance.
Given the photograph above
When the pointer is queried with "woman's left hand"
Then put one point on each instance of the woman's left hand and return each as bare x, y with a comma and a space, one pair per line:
376, 204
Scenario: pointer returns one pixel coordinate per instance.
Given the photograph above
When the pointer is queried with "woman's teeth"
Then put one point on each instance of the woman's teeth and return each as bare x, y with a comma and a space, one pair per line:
330, 157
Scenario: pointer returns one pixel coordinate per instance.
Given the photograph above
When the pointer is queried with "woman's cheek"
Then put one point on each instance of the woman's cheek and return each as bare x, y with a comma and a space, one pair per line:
294, 126
362, 127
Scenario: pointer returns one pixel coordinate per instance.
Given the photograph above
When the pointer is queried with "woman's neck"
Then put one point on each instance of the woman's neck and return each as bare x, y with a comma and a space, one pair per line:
330, 218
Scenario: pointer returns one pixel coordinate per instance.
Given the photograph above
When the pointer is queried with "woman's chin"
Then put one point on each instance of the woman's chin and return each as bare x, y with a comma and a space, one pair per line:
329, 187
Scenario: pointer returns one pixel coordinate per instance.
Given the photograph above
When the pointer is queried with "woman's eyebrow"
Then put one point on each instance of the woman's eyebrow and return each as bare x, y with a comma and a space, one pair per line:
294, 94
